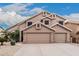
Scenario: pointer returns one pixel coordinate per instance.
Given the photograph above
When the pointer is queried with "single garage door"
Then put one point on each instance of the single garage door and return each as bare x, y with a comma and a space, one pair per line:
38, 38
60, 37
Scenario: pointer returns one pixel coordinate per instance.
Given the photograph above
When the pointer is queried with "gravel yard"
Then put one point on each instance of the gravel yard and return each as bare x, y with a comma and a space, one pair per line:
8, 50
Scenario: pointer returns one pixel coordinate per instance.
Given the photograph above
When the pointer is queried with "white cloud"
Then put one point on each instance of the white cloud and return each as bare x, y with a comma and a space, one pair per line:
35, 10
73, 16
12, 14
23, 9
11, 18
18, 8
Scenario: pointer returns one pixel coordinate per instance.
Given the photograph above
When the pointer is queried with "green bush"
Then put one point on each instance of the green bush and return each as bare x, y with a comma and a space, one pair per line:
2, 40
15, 35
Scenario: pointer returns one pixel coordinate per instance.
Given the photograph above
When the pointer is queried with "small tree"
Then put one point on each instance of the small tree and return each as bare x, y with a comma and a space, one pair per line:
15, 35
5, 35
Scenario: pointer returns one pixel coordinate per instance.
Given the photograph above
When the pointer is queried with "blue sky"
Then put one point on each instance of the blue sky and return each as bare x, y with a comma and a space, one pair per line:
59, 8
26, 10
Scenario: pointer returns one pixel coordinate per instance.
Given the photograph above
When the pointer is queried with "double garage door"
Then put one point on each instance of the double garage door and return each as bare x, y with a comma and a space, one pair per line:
60, 37
38, 38
44, 37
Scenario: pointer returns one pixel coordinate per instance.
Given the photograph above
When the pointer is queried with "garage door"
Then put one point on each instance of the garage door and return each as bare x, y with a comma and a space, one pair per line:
38, 38
60, 37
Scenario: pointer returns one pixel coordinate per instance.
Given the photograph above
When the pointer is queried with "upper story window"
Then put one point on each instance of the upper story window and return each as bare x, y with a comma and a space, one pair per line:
29, 23
61, 22
53, 15
38, 26
47, 22
42, 20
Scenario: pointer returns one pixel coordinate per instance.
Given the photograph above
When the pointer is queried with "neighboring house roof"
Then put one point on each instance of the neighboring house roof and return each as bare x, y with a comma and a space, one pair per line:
72, 21
61, 26
33, 17
37, 23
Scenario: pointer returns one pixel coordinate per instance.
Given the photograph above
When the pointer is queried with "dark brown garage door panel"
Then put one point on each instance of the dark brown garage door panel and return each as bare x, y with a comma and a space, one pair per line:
38, 38
60, 37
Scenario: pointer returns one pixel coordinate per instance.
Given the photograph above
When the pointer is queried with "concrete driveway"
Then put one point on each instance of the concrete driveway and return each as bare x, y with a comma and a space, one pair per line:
57, 49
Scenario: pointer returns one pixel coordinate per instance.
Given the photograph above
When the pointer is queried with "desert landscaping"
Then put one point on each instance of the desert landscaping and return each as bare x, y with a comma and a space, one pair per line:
8, 50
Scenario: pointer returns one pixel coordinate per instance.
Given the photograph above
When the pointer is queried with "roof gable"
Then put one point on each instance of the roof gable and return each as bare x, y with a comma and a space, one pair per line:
41, 25
61, 26
41, 13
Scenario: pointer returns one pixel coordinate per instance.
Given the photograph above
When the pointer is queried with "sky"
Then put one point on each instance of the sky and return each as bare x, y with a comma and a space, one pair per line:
12, 13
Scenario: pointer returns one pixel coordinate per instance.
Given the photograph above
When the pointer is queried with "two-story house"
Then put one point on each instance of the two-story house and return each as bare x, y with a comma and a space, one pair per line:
43, 28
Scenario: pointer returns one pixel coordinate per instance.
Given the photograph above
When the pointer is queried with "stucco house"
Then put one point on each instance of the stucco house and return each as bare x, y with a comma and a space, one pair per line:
74, 25
43, 28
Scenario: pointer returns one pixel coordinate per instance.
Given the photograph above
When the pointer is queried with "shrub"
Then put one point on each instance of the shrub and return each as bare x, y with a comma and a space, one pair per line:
2, 40
12, 42
15, 35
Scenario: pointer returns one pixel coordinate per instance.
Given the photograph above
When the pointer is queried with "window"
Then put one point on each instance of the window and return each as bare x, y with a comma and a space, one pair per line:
38, 26
29, 23
53, 15
47, 22
77, 33
61, 22
42, 21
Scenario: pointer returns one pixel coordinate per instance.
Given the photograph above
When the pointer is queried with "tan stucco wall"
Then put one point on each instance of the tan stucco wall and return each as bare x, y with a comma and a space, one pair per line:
33, 29
73, 27
22, 26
